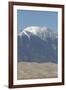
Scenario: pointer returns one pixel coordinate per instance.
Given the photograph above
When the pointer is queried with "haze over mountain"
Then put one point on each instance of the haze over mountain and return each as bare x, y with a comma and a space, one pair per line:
37, 44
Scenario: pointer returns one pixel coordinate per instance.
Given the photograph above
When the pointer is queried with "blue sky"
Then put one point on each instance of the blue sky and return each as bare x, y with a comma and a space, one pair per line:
26, 18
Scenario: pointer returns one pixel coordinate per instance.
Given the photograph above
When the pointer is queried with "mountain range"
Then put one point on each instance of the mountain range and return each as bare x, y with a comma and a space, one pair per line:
37, 44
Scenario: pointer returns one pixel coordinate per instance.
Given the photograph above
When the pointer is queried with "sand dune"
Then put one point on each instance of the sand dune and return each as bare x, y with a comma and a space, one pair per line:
27, 70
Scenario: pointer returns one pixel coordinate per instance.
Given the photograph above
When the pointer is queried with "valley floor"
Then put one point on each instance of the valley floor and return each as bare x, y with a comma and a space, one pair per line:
32, 70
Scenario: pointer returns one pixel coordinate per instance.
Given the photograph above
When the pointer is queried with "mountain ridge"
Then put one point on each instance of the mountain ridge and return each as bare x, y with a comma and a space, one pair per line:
39, 31
37, 45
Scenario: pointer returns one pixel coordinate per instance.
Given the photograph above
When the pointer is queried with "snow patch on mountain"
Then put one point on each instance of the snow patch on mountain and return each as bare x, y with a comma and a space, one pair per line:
41, 32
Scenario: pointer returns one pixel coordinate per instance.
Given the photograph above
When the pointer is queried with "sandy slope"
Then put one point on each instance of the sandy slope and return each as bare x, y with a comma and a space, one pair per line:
26, 70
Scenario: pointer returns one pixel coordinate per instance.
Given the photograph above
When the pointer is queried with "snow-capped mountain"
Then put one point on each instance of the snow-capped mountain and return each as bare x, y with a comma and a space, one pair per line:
41, 32
37, 44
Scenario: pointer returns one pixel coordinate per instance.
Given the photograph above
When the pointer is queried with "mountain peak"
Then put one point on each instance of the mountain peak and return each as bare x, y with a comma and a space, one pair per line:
35, 29
41, 32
